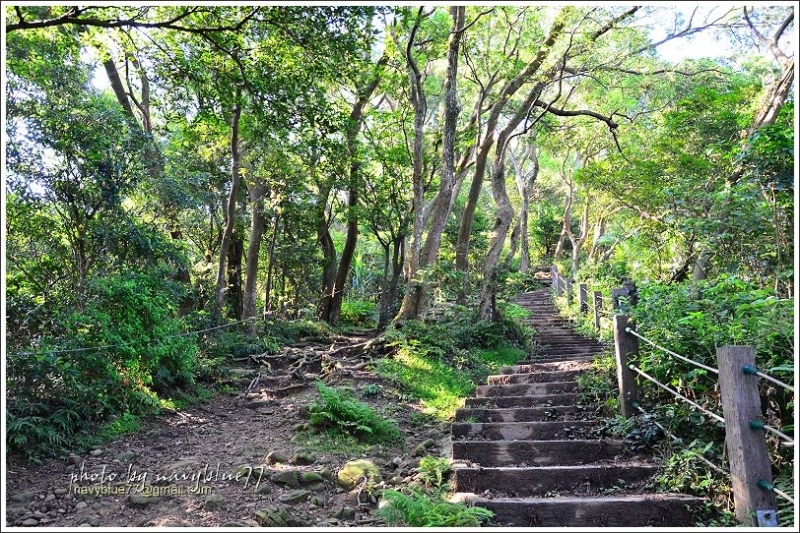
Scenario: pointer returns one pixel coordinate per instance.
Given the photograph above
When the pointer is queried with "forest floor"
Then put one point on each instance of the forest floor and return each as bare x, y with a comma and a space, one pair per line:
180, 468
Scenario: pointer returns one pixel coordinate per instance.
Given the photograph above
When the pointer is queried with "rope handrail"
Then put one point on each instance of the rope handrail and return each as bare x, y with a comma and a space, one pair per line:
753, 371
648, 341
757, 424
145, 341
678, 394
765, 485
678, 439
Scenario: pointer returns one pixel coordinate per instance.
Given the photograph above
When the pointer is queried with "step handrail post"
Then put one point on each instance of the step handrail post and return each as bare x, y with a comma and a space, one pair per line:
747, 446
582, 294
626, 347
598, 308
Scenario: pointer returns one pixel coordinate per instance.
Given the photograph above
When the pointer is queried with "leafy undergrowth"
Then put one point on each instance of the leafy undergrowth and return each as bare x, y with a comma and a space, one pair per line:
440, 363
426, 505
335, 411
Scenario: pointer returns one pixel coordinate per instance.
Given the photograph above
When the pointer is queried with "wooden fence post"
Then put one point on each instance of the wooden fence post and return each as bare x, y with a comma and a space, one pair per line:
598, 308
747, 448
583, 306
626, 348
568, 288
557, 282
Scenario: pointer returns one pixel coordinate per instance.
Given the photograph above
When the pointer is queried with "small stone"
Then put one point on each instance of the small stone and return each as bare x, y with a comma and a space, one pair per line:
139, 500
296, 496
263, 489
39, 515
60, 492
326, 473
125, 457
30, 522
22, 497
213, 501
96, 452
397, 461
317, 502
346, 513
255, 404
276, 458
317, 487
81, 505
289, 478
429, 443
311, 477
396, 480
420, 450
49, 498
73, 459
303, 458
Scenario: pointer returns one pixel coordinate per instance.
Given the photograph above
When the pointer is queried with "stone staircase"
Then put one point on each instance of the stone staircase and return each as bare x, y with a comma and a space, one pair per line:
524, 448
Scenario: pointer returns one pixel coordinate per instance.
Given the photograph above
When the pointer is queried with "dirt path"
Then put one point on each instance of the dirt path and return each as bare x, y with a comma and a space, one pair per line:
190, 460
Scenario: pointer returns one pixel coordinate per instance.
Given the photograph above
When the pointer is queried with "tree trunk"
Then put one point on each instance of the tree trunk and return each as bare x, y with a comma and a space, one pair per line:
230, 212
388, 305
465, 229
271, 268
504, 215
233, 293
334, 309
415, 300
256, 192
514, 242
328, 254
410, 306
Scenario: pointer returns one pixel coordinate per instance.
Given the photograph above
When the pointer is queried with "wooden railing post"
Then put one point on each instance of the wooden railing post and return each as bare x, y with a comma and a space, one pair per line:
597, 296
627, 349
568, 288
582, 305
557, 282
747, 447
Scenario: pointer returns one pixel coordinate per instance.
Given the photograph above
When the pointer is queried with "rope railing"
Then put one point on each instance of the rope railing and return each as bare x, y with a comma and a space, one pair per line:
753, 371
678, 394
754, 495
757, 424
139, 341
678, 439
690, 361
766, 485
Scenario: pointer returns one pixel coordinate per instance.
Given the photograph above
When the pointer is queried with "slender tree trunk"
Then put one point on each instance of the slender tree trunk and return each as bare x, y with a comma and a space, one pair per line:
415, 300
504, 214
514, 242
388, 305
271, 268
233, 293
328, 253
410, 306
256, 192
230, 212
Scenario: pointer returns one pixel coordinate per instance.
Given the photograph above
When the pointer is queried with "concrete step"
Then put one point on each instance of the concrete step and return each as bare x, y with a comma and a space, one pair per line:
534, 377
502, 402
521, 414
538, 481
660, 510
525, 389
538, 452
559, 430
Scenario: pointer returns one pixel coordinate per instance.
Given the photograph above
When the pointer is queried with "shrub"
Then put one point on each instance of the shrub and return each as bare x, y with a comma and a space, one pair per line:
359, 313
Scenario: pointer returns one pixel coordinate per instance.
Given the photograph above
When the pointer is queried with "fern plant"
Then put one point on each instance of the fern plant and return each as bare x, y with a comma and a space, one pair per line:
429, 509
336, 411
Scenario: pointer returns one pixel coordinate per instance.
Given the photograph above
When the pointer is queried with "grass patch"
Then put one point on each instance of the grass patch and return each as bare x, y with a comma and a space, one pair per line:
439, 364
429, 509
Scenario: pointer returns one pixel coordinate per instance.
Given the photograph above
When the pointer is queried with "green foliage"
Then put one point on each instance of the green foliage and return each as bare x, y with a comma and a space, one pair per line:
433, 471
421, 509
440, 363
125, 424
359, 313
335, 411
56, 396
